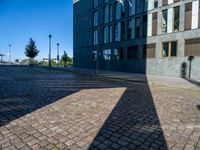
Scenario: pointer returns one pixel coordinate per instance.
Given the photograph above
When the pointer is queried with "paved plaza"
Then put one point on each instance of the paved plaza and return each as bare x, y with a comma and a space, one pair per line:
54, 110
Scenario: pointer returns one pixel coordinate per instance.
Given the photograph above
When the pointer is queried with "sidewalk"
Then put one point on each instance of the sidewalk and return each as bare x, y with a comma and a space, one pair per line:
151, 79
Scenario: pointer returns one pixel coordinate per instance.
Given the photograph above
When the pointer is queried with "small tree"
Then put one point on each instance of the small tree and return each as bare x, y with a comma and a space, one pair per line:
31, 50
64, 58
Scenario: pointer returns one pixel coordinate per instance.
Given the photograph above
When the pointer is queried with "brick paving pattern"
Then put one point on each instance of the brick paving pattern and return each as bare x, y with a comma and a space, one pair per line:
43, 109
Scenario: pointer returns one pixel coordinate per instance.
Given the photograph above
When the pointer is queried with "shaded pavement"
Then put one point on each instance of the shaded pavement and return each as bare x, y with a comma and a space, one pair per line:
48, 109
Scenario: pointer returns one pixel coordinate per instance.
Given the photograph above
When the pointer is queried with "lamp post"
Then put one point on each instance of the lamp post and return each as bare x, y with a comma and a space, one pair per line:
50, 36
10, 53
190, 58
58, 58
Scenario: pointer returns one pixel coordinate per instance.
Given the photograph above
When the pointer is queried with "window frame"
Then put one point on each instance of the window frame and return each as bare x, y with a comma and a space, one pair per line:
174, 8
169, 49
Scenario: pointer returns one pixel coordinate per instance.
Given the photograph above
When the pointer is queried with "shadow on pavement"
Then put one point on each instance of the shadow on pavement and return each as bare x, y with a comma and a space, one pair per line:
133, 124
197, 83
26, 89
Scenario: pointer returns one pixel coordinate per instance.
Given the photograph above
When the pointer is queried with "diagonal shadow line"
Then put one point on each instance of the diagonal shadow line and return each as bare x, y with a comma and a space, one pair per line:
133, 124
197, 83
23, 94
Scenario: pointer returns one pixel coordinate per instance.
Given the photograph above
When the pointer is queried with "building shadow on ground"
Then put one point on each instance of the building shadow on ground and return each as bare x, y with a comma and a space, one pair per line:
133, 124
26, 89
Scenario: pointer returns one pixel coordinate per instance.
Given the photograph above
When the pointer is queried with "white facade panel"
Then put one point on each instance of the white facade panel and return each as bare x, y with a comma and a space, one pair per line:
150, 4
170, 20
195, 11
149, 28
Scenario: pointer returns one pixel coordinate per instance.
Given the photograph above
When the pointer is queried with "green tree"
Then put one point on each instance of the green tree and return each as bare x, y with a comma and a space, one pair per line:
64, 58
24, 62
31, 50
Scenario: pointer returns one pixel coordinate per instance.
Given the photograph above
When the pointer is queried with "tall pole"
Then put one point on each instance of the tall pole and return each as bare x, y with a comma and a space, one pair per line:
190, 69
50, 36
10, 53
58, 58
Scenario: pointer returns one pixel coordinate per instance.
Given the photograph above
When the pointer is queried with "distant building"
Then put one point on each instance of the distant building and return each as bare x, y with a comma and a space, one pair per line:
147, 36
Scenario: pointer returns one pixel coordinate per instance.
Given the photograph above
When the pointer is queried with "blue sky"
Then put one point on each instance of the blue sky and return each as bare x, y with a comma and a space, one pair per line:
22, 19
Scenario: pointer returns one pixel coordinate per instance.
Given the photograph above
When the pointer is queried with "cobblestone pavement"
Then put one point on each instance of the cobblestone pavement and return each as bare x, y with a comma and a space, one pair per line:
43, 109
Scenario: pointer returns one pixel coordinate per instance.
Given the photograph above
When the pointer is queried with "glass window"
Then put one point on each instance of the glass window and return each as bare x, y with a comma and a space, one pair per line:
165, 52
106, 1
110, 13
95, 3
131, 29
155, 3
118, 53
117, 11
95, 16
107, 54
132, 7
145, 26
121, 53
164, 21
106, 34
117, 32
106, 14
169, 49
176, 18
123, 10
122, 30
173, 49
138, 6
110, 34
95, 37
137, 27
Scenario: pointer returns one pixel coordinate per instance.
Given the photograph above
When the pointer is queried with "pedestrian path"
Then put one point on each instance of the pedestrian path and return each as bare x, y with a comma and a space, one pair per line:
150, 79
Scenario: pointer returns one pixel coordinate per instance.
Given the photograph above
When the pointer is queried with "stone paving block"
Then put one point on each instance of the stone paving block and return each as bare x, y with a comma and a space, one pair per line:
48, 109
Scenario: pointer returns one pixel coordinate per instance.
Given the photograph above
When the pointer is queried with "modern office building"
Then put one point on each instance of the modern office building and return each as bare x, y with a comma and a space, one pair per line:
141, 36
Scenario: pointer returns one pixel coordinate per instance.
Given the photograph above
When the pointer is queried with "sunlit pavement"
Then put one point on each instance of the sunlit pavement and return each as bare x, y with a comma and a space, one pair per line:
43, 109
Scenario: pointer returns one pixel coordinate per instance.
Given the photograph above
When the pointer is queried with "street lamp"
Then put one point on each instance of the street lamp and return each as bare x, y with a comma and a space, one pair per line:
10, 53
58, 58
190, 58
50, 36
